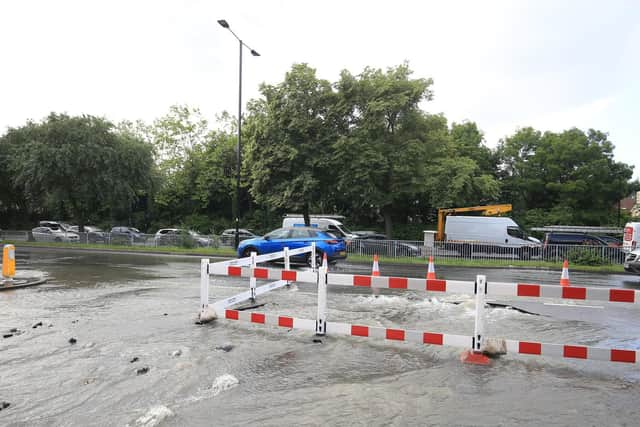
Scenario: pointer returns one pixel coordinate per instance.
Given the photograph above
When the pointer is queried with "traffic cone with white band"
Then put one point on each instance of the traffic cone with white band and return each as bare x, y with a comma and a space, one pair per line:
325, 264
376, 268
375, 271
564, 279
431, 272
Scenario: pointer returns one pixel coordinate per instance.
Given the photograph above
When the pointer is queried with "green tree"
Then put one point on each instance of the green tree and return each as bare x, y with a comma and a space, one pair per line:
178, 138
568, 177
78, 167
290, 133
468, 141
383, 158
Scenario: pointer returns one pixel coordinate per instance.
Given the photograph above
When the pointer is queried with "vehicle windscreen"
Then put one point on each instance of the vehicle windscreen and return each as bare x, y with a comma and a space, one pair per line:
517, 233
345, 230
280, 233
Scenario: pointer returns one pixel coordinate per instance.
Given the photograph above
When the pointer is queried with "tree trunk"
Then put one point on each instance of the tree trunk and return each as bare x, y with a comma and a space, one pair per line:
388, 226
305, 213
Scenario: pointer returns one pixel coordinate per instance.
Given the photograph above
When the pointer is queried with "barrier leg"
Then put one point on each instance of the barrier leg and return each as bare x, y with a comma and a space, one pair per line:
287, 264
313, 256
206, 314
475, 355
321, 319
252, 280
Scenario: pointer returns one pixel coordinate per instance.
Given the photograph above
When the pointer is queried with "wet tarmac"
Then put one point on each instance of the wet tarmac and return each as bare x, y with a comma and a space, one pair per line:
110, 340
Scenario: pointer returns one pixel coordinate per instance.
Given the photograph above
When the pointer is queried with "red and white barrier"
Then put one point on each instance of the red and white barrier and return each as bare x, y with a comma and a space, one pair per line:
437, 338
530, 290
475, 345
338, 328
572, 351
527, 290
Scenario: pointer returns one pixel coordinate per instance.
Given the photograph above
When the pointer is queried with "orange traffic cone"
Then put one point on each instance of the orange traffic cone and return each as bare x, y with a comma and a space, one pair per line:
564, 279
325, 264
376, 268
431, 272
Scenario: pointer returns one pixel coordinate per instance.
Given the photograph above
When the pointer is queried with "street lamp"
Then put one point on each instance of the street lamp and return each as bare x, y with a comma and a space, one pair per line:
225, 24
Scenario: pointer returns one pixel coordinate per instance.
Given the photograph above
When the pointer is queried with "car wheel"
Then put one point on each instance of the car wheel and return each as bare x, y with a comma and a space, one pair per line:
318, 259
57, 239
247, 251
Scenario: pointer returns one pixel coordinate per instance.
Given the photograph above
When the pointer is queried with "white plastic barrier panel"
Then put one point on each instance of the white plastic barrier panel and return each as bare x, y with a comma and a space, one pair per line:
204, 284
478, 333
321, 318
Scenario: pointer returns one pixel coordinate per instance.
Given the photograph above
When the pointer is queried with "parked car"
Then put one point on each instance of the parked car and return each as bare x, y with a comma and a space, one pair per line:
122, 234
55, 224
293, 238
93, 234
379, 244
632, 262
227, 237
612, 241
201, 240
181, 237
557, 245
557, 238
54, 233
364, 232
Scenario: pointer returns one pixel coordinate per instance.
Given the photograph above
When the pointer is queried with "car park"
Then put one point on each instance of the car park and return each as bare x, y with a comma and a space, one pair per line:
612, 241
201, 240
227, 237
54, 233
557, 238
167, 237
632, 262
557, 245
379, 244
180, 237
91, 234
123, 234
296, 237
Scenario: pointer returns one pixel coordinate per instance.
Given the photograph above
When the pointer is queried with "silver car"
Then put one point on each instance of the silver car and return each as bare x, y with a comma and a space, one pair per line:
632, 262
54, 234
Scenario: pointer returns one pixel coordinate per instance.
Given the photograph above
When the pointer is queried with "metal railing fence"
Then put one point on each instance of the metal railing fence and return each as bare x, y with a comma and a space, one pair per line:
477, 251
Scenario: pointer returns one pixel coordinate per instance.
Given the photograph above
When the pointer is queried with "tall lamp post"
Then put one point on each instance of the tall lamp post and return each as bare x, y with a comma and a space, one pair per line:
225, 24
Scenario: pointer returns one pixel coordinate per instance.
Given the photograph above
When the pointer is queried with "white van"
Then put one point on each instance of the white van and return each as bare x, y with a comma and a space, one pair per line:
499, 231
325, 222
631, 236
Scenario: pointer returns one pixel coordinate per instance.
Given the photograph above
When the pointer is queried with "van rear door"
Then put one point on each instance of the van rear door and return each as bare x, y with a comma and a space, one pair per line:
631, 235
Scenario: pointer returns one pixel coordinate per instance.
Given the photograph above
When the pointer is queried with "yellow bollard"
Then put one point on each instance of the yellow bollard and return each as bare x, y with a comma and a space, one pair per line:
8, 262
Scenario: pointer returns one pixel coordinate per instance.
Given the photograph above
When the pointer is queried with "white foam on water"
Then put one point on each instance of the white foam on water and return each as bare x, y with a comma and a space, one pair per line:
220, 384
154, 416
381, 299
223, 383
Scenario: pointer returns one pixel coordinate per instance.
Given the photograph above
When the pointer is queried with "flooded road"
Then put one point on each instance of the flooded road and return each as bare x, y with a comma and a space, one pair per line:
139, 359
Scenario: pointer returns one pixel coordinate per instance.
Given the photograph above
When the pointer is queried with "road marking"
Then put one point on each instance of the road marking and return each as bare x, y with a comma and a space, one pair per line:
574, 305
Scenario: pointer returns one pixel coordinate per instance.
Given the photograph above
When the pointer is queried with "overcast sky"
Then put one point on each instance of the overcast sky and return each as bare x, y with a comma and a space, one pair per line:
503, 64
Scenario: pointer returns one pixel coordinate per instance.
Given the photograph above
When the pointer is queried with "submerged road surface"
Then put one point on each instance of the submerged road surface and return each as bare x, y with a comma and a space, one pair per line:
111, 340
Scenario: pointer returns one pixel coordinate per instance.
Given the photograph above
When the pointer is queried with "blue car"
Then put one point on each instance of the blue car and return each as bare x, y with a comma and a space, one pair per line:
293, 238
